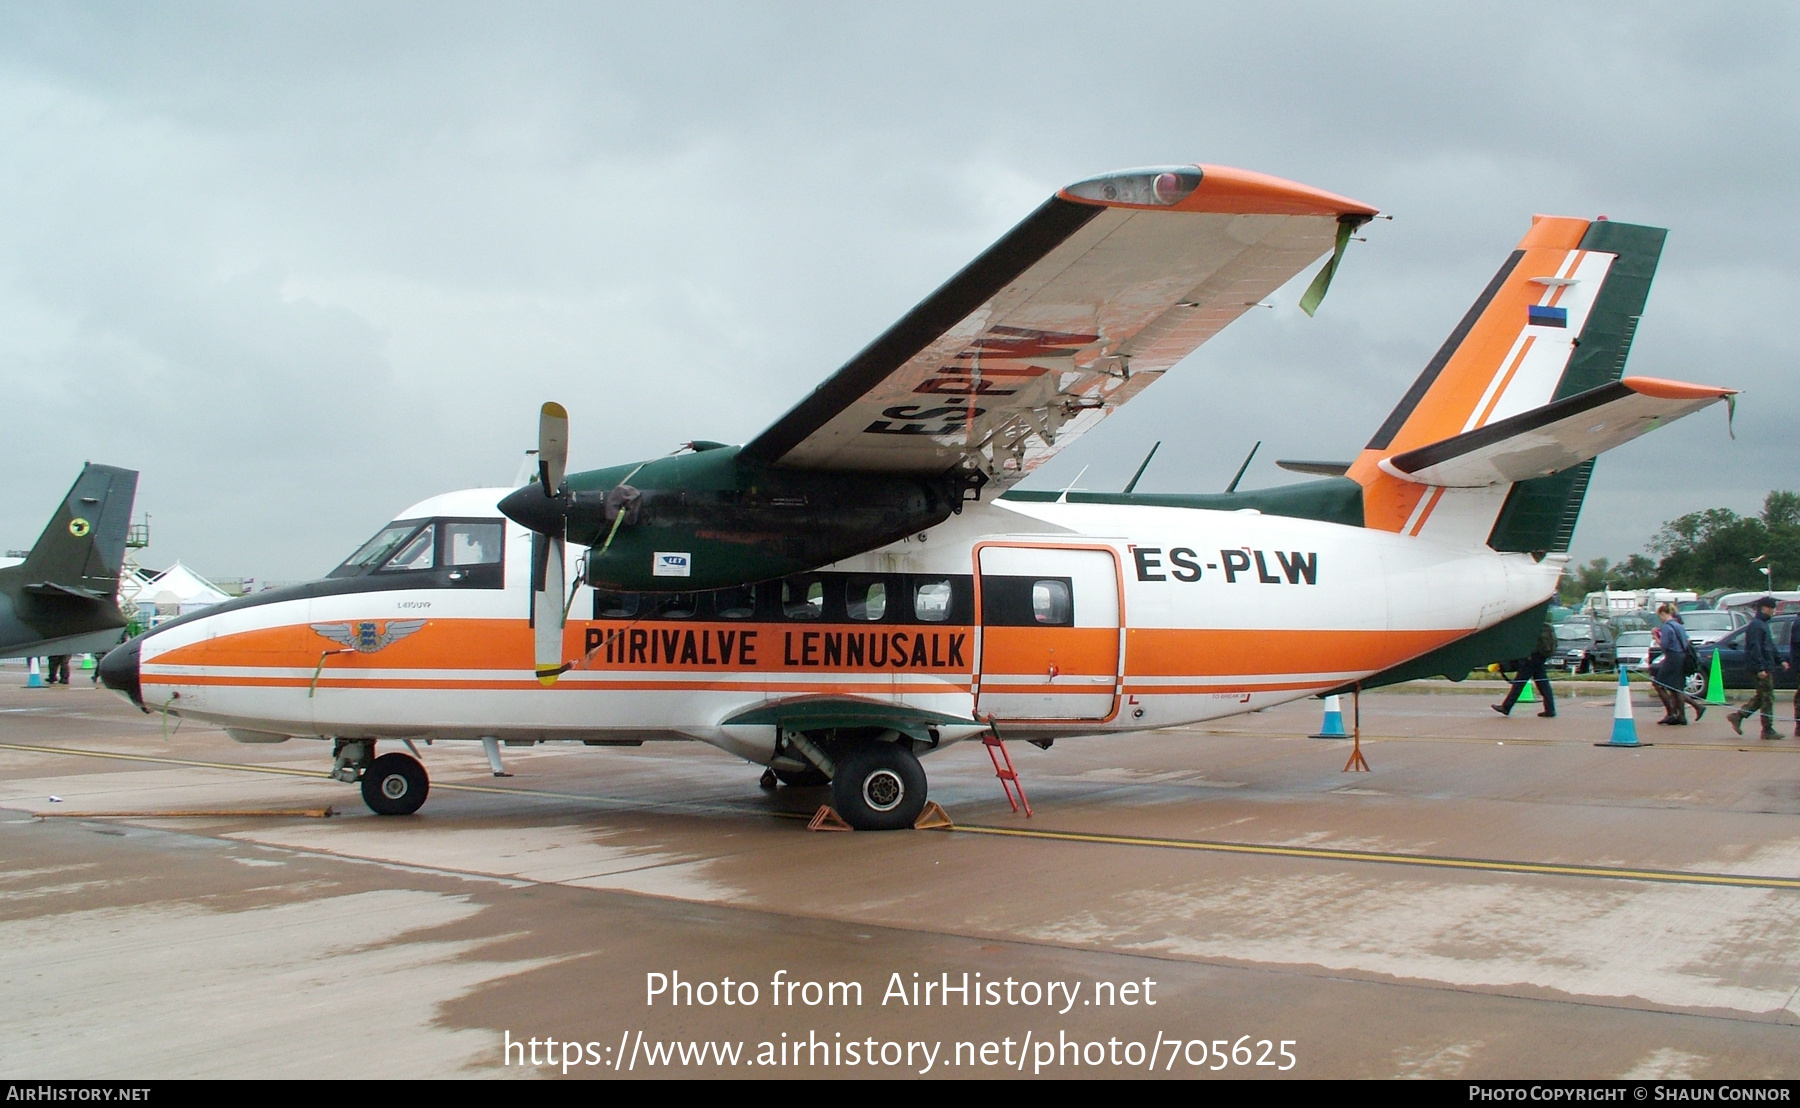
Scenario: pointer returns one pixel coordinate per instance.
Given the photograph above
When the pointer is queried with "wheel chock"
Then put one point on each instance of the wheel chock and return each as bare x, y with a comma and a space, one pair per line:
827, 819
933, 818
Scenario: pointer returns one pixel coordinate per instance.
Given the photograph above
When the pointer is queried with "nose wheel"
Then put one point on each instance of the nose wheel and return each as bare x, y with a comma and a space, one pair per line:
395, 785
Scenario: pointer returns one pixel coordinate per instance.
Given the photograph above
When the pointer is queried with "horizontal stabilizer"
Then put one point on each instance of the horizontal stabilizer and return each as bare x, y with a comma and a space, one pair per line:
1555, 437
51, 588
1317, 469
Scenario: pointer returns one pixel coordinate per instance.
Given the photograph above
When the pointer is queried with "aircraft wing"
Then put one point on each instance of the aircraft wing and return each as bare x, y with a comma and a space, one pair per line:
1552, 438
1075, 311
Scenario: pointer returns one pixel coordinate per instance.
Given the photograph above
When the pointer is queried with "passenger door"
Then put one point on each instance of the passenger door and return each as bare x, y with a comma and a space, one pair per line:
1050, 641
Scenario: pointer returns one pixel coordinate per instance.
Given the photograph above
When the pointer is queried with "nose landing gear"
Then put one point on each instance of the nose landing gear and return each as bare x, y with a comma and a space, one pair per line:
392, 785
395, 785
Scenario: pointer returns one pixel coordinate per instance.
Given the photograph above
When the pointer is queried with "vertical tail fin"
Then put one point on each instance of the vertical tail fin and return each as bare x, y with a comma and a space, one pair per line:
1556, 320
83, 547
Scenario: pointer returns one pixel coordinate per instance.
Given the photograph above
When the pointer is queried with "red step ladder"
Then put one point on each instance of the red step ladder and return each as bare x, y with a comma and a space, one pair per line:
1003, 768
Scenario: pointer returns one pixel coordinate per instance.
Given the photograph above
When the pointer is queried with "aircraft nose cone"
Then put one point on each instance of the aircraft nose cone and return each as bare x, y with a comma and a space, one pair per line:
119, 671
528, 507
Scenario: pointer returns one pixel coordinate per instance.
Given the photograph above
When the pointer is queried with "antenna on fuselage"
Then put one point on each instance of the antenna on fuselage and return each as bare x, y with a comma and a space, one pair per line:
1240, 473
1063, 498
1132, 484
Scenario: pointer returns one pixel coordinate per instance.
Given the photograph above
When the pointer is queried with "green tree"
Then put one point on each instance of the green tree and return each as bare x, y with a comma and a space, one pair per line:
1635, 572
1715, 548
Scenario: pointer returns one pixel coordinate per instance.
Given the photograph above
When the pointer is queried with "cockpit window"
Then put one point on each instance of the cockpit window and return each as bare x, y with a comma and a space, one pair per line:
419, 553
433, 554
472, 544
377, 549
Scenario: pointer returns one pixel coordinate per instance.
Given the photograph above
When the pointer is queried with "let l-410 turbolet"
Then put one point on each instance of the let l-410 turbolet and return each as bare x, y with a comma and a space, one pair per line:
860, 585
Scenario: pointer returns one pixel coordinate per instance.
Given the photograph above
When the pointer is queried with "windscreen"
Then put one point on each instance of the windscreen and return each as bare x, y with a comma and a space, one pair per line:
377, 550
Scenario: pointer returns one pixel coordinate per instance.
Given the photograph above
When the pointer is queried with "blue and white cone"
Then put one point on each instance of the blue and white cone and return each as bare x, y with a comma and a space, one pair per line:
36, 678
1333, 727
1624, 731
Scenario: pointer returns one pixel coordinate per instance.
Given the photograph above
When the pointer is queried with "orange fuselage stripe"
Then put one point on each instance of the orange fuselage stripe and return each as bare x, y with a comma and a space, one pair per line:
447, 646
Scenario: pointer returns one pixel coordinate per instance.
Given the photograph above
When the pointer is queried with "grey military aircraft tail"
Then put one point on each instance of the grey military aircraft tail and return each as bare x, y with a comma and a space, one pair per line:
63, 598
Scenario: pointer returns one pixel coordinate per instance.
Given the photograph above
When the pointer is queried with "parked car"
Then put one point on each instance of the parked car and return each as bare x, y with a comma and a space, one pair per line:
1709, 627
1633, 648
1584, 646
1732, 668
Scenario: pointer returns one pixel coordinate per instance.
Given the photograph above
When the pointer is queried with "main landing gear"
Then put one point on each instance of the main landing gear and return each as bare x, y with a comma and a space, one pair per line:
879, 786
876, 781
392, 785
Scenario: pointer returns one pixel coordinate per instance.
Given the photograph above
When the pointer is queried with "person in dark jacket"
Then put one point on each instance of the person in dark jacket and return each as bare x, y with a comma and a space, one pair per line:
1669, 674
1759, 654
1532, 669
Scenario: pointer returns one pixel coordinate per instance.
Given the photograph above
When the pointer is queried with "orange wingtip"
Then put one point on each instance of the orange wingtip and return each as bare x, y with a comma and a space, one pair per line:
1220, 189
1674, 390
1240, 191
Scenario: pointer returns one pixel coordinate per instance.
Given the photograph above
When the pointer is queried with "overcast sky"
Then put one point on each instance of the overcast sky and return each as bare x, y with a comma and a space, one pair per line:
304, 265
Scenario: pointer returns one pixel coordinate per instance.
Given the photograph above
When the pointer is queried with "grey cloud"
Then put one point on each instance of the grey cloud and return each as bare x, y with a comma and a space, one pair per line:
305, 264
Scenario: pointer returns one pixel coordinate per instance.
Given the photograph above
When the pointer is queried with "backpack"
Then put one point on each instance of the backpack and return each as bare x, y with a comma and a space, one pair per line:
1546, 644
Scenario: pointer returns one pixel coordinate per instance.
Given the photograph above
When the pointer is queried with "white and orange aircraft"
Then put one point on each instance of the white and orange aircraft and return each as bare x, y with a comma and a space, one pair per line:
860, 585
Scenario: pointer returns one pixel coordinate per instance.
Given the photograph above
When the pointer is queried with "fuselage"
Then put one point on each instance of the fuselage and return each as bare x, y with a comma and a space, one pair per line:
1054, 619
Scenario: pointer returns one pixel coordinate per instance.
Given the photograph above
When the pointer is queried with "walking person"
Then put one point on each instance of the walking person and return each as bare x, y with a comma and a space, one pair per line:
59, 670
1759, 654
1669, 675
1531, 668
1690, 667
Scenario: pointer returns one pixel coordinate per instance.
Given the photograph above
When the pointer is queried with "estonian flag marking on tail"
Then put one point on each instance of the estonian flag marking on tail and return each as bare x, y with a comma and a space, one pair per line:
1539, 316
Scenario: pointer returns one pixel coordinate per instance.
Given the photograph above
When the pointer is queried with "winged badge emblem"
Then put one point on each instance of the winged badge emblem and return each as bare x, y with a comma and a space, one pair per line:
368, 636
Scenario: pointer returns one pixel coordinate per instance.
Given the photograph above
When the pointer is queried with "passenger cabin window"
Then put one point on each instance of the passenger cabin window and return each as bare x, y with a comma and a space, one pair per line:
931, 600
738, 603
1050, 603
615, 605
802, 598
865, 599
1027, 601
826, 597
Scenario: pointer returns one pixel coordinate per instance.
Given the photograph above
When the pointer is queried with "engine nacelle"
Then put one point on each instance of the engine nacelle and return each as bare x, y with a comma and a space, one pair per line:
711, 519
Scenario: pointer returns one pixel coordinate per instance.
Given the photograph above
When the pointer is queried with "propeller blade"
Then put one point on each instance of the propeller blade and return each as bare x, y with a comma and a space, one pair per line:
547, 606
553, 446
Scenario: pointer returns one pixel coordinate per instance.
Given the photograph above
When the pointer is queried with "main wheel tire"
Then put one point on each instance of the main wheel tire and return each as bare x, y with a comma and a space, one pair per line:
809, 777
879, 786
395, 785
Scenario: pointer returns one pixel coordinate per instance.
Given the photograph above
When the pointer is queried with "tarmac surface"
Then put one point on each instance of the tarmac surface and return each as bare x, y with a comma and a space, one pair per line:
1498, 897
